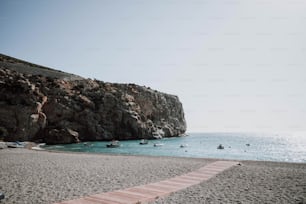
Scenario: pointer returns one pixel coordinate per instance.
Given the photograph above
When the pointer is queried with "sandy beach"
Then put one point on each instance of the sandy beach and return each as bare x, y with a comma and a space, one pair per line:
29, 176
46, 177
252, 182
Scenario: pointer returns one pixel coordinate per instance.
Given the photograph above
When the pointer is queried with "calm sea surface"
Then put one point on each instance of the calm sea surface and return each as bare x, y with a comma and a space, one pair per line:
266, 147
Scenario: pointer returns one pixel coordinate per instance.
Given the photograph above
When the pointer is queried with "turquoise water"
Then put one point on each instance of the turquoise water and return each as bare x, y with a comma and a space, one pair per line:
265, 147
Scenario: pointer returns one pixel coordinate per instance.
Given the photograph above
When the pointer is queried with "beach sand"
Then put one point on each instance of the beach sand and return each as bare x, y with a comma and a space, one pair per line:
252, 182
28, 176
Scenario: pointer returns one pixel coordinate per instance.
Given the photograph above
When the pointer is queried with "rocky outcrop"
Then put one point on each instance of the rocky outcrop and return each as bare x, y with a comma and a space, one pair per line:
59, 109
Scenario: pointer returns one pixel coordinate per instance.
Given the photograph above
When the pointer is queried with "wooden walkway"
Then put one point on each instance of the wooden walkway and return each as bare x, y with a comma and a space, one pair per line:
152, 191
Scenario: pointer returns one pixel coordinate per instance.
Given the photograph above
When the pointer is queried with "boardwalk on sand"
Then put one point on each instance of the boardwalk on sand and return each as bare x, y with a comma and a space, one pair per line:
151, 191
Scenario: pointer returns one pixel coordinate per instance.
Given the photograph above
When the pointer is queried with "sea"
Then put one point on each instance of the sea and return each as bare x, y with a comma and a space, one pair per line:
283, 147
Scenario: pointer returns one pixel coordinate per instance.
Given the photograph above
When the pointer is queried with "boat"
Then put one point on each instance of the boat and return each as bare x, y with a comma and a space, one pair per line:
158, 144
220, 146
15, 145
183, 145
143, 142
87, 144
113, 144
38, 147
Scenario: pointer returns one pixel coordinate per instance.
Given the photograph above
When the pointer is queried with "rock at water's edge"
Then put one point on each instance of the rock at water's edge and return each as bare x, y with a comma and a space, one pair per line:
56, 108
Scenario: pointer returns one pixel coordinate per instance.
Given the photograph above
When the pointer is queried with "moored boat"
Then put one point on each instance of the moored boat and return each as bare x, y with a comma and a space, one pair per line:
158, 144
15, 144
113, 144
143, 142
220, 146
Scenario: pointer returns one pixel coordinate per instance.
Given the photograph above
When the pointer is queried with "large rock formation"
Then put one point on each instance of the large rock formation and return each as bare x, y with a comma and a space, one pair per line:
45, 105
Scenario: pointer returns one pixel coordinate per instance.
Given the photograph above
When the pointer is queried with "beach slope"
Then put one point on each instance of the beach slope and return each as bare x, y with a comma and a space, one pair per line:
46, 177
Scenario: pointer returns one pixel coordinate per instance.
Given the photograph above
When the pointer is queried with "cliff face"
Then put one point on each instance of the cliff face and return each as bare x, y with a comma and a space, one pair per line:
61, 108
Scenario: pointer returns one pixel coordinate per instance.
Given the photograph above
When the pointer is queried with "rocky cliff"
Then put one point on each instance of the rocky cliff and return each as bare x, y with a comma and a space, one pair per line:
45, 105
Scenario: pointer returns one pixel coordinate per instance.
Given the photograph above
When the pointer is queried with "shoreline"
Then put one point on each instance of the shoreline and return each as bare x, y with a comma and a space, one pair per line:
155, 156
236, 147
29, 176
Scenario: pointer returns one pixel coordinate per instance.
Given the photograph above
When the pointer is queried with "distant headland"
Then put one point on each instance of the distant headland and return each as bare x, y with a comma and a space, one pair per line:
41, 104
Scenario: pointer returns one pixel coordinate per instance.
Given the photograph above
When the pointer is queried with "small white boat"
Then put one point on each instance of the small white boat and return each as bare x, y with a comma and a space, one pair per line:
158, 144
38, 147
113, 144
183, 145
87, 144
143, 142
15, 145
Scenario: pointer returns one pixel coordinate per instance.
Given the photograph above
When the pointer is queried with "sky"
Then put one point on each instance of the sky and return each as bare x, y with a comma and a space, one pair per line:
236, 65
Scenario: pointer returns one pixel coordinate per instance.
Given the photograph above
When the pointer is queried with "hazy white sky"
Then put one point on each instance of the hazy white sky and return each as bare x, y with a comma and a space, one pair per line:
236, 65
